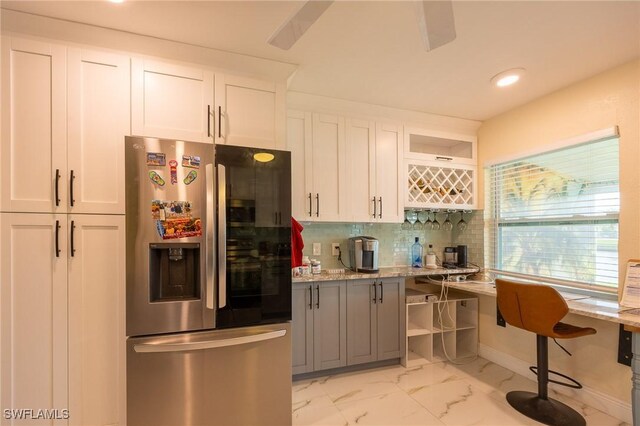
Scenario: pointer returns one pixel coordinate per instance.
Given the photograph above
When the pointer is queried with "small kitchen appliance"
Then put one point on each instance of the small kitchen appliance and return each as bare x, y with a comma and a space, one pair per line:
455, 257
363, 254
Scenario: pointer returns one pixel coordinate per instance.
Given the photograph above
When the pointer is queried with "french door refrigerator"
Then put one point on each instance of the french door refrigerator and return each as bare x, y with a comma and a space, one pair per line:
208, 284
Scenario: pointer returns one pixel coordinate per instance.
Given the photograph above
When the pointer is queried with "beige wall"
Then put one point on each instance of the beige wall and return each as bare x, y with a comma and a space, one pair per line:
606, 100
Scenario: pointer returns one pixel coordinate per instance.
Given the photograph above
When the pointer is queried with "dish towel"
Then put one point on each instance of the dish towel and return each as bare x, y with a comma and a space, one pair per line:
297, 244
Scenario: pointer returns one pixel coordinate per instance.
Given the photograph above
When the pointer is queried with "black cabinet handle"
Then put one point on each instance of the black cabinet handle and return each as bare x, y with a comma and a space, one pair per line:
73, 228
381, 292
380, 216
375, 211
375, 293
317, 204
310, 298
310, 214
71, 179
219, 121
57, 238
444, 158
318, 300
57, 187
208, 121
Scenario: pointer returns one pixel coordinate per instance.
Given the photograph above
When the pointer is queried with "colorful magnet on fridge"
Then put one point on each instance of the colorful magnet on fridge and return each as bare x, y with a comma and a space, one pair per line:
190, 177
173, 165
192, 161
156, 159
156, 178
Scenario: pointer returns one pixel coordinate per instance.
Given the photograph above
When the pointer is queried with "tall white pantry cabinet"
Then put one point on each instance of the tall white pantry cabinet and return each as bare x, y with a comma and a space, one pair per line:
65, 112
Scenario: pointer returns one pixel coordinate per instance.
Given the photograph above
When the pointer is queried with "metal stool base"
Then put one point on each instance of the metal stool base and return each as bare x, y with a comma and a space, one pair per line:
546, 411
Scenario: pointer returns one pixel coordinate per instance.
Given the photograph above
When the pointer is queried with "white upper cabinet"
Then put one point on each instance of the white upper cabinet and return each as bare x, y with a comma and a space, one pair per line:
33, 154
318, 155
249, 112
327, 168
98, 85
171, 101
431, 145
375, 163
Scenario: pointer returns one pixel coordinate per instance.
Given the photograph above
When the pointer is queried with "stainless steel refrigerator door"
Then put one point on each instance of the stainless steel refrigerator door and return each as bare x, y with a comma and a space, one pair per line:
238, 376
148, 313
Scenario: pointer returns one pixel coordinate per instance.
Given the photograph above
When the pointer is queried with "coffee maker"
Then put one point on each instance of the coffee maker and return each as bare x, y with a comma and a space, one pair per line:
363, 254
455, 257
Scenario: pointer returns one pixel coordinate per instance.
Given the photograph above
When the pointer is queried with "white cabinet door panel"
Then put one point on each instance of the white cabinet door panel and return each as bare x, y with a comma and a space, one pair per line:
33, 126
248, 112
389, 173
299, 143
171, 101
97, 338
328, 168
33, 307
98, 122
360, 140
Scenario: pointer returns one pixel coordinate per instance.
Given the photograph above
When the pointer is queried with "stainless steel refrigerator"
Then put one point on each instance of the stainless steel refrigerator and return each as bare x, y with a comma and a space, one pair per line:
208, 284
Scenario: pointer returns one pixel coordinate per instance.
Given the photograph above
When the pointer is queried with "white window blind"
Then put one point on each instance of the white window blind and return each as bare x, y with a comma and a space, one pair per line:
554, 216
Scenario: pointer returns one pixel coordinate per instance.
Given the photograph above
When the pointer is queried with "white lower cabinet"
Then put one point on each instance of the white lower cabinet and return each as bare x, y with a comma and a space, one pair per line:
62, 316
319, 326
441, 331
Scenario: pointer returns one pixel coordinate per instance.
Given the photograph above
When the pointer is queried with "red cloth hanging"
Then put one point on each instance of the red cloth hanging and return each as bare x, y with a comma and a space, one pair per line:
297, 244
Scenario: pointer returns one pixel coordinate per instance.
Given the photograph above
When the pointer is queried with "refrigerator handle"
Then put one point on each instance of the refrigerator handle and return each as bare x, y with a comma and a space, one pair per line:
211, 344
222, 236
210, 250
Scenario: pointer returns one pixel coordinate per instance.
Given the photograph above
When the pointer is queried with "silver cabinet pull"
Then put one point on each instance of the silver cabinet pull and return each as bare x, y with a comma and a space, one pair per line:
375, 293
380, 216
375, 211
222, 237
211, 344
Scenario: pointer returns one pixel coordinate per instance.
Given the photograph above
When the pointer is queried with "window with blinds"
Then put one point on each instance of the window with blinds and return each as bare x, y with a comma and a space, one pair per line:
554, 216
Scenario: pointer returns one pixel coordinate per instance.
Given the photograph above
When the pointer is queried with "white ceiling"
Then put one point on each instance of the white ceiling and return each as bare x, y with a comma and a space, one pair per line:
371, 51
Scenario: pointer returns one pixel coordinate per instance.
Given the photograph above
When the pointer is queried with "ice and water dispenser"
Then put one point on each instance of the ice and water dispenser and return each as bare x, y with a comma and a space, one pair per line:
174, 271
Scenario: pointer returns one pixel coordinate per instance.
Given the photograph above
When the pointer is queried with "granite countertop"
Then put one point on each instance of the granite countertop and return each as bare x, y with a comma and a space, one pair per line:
594, 307
384, 272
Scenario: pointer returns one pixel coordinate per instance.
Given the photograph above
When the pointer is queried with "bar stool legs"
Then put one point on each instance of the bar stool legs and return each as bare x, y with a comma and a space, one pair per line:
539, 406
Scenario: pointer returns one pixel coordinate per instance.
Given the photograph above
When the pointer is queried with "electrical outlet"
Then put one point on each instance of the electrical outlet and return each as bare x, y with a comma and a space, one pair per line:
317, 251
335, 249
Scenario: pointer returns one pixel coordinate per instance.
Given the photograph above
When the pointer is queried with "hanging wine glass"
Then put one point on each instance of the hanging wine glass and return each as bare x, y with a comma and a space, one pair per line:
411, 216
408, 217
423, 216
435, 225
462, 225
418, 225
447, 225
406, 225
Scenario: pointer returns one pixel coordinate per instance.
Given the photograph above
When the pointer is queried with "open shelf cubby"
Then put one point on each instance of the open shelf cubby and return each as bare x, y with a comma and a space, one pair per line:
442, 330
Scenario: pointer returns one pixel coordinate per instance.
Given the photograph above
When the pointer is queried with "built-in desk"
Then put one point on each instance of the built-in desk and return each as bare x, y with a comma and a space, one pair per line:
606, 310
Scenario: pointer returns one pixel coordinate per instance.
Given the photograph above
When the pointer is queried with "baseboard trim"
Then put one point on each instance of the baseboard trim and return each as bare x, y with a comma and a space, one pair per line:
612, 406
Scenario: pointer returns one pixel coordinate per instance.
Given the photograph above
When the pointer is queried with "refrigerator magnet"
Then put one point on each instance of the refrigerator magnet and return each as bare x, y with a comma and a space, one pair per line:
191, 161
173, 165
156, 178
156, 159
190, 177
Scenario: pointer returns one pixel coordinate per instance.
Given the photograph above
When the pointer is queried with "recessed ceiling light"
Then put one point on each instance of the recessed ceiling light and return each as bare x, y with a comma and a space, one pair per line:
116, 1
508, 77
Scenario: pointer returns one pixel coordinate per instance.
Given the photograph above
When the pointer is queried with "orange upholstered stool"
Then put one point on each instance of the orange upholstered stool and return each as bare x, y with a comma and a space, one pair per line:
539, 309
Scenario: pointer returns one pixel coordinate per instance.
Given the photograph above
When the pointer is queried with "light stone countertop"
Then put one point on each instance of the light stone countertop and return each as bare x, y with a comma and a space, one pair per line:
384, 272
603, 309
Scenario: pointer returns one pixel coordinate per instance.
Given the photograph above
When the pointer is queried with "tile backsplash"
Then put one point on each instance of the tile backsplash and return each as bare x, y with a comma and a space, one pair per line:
395, 242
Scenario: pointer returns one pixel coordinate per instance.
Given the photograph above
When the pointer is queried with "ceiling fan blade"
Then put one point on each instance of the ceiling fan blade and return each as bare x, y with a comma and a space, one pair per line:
436, 23
295, 27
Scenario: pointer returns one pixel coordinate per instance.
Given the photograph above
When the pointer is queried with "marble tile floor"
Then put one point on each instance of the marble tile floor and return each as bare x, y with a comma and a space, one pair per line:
432, 394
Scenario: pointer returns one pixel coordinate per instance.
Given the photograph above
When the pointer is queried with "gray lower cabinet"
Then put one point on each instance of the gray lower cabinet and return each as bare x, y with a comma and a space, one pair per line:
319, 326
375, 318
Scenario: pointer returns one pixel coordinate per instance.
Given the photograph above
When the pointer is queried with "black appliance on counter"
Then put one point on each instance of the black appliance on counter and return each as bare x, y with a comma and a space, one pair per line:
455, 257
